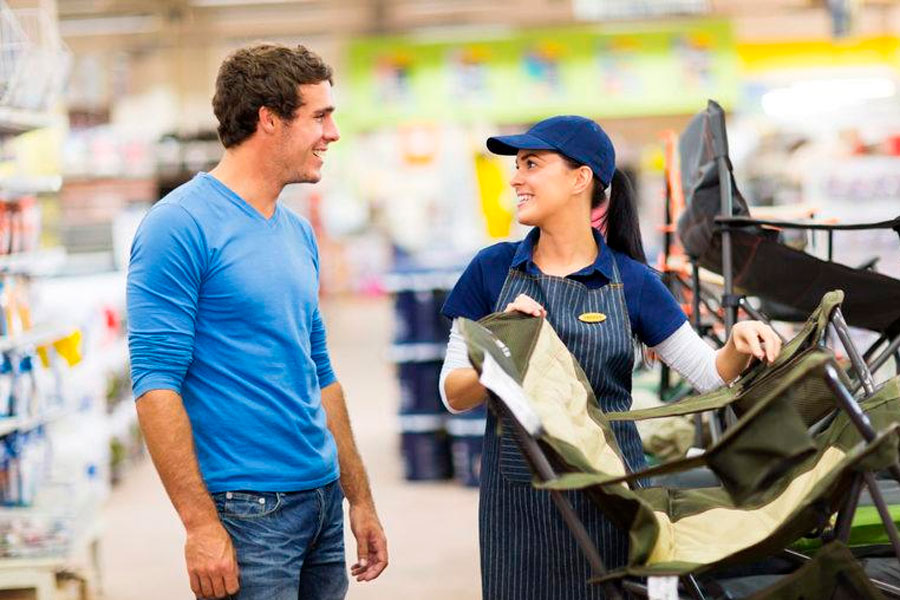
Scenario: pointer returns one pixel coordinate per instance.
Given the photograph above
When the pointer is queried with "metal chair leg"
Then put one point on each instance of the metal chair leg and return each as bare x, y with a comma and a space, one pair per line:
883, 512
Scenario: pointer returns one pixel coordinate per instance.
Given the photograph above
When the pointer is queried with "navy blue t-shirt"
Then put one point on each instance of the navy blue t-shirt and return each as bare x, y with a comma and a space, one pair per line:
654, 313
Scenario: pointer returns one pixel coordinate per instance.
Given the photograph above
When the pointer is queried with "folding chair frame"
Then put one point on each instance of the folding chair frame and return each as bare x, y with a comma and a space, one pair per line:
727, 223
544, 471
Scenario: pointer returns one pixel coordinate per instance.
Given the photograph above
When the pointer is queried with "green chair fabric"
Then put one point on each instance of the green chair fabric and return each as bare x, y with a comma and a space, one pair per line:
834, 574
778, 482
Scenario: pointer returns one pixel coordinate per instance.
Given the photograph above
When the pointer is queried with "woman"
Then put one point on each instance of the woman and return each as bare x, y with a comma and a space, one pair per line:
563, 270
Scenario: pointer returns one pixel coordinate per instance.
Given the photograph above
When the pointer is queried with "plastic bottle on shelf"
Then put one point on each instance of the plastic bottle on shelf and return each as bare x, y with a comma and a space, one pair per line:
6, 387
13, 445
4, 473
30, 223
46, 385
28, 465
5, 227
26, 400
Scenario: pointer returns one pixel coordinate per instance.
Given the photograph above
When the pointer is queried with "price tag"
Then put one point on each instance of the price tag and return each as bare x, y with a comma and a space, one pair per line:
662, 588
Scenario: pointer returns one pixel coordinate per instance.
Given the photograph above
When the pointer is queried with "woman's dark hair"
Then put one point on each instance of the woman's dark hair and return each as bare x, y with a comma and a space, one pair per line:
623, 232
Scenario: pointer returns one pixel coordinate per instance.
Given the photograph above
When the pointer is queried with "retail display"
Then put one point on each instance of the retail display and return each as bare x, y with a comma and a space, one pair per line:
34, 60
434, 443
105, 108
775, 488
53, 363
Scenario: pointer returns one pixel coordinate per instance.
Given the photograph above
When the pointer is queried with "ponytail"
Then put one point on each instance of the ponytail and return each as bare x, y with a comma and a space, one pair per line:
620, 221
623, 233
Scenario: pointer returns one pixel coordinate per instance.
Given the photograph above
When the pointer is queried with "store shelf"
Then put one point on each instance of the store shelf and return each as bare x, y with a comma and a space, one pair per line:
34, 337
27, 185
11, 424
424, 281
421, 423
14, 120
424, 352
39, 262
465, 426
79, 554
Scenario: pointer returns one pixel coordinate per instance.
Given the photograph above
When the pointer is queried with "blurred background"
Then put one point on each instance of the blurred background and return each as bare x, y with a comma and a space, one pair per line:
105, 108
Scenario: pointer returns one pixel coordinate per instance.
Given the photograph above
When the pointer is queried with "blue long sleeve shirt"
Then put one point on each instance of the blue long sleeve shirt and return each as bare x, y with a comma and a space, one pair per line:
223, 309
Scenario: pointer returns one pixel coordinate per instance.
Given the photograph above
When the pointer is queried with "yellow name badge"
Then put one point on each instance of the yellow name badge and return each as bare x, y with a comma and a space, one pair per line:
592, 317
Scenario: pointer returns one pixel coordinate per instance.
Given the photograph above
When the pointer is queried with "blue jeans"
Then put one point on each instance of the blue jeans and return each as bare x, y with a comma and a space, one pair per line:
290, 545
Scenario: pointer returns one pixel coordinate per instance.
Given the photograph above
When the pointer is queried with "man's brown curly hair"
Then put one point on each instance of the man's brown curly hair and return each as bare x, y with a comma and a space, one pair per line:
262, 75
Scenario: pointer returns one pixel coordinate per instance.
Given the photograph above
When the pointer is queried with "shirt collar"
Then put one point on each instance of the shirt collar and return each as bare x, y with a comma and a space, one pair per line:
525, 253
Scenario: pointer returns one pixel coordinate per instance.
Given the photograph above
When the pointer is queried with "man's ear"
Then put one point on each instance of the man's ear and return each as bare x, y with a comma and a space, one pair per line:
268, 120
583, 178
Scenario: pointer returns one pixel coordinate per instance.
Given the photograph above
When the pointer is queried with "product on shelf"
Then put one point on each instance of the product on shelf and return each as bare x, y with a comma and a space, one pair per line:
466, 440
425, 447
435, 445
419, 387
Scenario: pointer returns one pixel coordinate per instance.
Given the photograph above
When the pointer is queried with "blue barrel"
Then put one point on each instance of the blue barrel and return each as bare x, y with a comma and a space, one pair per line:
420, 339
425, 446
417, 317
419, 387
466, 440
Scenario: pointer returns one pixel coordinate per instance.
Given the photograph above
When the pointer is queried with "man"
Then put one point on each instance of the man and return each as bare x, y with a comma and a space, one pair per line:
242, 414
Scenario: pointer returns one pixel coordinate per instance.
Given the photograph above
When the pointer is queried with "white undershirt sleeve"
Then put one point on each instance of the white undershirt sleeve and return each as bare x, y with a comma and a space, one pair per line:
690, 356
684, 351
457, 357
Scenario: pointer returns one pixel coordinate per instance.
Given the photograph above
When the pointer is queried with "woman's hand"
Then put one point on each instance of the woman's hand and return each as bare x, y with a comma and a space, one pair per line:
757, 339
526, 304
748, 339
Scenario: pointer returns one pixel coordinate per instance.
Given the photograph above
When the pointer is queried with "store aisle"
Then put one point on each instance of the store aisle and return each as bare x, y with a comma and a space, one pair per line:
432, 532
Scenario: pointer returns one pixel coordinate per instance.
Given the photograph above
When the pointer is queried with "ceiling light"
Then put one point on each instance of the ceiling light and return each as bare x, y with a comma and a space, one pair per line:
109, 25
825, 95
222, 3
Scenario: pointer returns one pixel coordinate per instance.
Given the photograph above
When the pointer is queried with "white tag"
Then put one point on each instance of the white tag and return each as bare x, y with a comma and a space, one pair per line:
662, 588
511, 393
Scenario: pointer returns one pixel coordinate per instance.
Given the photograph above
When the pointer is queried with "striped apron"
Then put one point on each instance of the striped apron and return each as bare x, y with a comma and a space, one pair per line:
527, 552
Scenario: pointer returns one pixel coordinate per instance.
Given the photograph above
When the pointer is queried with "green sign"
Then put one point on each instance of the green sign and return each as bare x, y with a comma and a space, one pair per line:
524, 76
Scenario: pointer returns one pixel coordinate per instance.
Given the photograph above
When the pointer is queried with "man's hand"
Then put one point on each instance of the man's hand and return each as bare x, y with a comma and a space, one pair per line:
211, 561
208, 551
371, 544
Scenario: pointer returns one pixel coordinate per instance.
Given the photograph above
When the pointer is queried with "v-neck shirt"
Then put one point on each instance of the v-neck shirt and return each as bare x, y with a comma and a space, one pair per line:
223, 309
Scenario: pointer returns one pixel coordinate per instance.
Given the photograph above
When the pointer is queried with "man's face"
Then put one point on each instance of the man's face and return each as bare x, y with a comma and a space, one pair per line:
305, 139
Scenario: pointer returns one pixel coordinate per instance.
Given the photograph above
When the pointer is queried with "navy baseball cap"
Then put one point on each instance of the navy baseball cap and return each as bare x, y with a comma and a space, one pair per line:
579, 138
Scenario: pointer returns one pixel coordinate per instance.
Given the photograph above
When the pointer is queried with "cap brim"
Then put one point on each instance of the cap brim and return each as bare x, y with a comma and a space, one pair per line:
509, 145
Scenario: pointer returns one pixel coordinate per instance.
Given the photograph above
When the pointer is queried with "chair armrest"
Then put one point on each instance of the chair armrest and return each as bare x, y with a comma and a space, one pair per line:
748, 222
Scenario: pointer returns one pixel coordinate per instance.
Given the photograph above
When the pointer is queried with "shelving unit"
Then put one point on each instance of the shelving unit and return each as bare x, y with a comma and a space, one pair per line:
11, 424
45, 261
50, 524
37, 336
29, 185
72, 512
14, 121
80, 557
435, 443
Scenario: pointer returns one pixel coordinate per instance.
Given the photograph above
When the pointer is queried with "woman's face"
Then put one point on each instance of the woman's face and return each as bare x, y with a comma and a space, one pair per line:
543, 184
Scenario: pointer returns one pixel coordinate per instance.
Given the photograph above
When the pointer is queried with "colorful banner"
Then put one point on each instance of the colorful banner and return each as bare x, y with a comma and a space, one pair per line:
524, 76
762, 57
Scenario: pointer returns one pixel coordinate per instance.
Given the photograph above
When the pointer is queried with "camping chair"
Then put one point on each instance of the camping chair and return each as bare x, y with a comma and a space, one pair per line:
719, 234
692, 286
775, 488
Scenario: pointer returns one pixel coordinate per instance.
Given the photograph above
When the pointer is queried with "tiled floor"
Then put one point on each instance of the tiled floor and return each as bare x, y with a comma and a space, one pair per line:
432, 531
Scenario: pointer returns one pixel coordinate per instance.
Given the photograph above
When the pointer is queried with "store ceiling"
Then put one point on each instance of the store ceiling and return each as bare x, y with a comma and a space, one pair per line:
348, 17
284, 17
